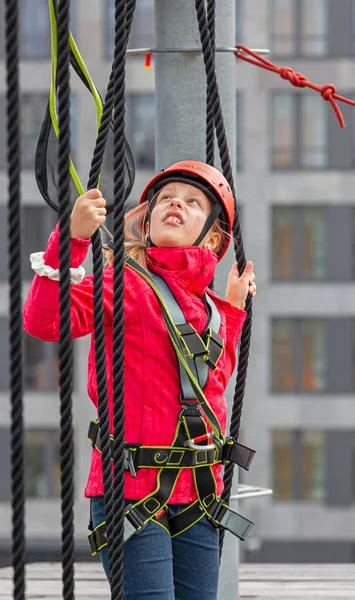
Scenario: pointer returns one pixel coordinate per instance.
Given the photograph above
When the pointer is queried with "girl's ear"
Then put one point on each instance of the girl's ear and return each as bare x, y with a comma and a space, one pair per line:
213, 241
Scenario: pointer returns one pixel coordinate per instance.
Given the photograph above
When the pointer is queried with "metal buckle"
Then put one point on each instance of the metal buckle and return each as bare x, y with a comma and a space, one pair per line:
190, 408
129, 461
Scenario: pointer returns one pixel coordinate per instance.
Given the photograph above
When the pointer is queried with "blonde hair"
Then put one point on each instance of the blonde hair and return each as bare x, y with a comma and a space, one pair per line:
135, 229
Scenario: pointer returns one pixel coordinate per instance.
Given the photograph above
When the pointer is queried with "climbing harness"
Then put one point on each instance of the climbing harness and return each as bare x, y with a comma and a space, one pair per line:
193, 446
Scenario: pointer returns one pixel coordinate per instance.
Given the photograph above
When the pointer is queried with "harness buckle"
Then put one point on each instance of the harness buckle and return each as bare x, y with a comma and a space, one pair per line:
129, 459
190, 408
133, 523
222, 516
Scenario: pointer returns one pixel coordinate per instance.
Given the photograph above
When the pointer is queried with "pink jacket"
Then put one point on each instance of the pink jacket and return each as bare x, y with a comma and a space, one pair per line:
151, 375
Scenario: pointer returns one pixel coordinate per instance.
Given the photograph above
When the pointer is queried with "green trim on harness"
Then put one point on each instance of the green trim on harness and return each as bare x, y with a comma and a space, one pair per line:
190, 432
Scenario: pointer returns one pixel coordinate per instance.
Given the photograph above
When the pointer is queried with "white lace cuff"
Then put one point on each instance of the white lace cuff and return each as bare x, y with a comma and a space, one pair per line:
37, 264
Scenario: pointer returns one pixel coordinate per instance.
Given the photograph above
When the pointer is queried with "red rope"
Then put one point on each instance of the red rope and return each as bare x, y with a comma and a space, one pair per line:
327, 91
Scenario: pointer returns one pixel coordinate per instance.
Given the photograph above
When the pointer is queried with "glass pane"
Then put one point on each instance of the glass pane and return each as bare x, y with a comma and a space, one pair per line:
314, 23
314, 249
33, 111
313, 466
42, 468
313, 355
313, 132
41, 364
283, 340
141, 129
143, 27
35, 30
283, 243
283, 465
282, 131
283, 26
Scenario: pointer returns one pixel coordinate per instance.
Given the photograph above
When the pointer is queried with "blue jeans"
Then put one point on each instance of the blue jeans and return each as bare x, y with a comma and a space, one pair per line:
160, 568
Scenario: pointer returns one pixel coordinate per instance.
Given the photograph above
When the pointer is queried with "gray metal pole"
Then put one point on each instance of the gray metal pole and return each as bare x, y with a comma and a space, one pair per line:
180, 134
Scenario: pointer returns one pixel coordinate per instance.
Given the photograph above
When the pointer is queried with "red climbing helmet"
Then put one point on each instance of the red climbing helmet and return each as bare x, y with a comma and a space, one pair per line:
210, 181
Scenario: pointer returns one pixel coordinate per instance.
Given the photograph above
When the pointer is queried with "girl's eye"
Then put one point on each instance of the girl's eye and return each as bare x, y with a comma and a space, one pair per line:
193, 200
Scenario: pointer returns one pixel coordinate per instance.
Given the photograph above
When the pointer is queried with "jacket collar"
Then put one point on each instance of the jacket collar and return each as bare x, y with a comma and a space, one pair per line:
193, 267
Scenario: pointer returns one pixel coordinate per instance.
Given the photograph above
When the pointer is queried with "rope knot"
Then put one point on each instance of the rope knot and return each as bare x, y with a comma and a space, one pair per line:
297, 79
328, 91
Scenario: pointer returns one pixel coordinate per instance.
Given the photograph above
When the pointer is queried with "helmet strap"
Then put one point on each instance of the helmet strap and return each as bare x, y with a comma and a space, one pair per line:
207, 226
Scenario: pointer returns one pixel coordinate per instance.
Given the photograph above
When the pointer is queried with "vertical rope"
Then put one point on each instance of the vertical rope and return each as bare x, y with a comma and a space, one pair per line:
115, 543
211, 13
118, 323
237, 235
15, 302
65, 343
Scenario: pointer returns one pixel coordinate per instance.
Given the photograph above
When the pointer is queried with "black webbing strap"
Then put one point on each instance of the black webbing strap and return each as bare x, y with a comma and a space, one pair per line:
208, 503
137, 456
138, 515
208, 347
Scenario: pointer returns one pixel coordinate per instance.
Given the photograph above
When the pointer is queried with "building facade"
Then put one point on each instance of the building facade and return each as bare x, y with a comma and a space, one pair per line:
296, 187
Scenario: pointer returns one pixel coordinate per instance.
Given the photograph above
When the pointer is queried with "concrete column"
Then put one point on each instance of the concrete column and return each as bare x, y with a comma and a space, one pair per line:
180, 134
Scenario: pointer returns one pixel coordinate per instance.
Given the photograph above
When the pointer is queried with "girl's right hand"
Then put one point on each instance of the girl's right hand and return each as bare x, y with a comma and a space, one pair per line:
88, 214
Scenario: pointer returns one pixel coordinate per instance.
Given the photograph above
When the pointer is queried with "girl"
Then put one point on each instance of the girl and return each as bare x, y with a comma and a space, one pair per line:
179, 232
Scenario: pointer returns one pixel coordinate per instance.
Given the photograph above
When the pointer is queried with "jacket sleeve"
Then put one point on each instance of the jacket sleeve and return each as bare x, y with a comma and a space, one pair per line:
41, 308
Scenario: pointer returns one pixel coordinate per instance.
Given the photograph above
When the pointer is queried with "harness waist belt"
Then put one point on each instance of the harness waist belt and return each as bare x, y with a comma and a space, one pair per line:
137, 456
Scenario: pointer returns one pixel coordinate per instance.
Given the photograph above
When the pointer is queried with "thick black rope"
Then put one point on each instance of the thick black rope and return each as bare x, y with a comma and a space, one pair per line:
65, 343
118, 321
15, 302
211, 24
100, 352
238, 241
106, 118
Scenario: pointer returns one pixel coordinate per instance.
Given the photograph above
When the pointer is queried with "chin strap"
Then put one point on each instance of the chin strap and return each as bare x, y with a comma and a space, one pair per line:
207, 226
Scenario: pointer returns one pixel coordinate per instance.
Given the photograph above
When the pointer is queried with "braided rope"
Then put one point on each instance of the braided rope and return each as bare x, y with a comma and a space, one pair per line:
211, 14
238, 244
15, 302
65, 343
118, 322
115, 543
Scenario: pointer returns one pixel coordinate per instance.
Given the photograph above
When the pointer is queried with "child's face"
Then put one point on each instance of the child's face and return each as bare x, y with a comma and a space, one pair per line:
179, 214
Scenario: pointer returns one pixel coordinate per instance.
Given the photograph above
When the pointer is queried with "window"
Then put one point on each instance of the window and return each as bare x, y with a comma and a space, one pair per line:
141, 128
312, 28
302, 248
299, 132
140, 132
299, 27
299, 465
42, 463
33, 112
40, 362
35, 28
313, 355
142, 34
39, 221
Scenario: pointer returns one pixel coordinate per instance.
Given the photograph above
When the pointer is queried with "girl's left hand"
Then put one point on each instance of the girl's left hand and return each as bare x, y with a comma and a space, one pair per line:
238, 287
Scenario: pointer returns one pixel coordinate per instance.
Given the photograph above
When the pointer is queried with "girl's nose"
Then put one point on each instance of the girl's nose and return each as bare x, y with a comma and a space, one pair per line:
176, 202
